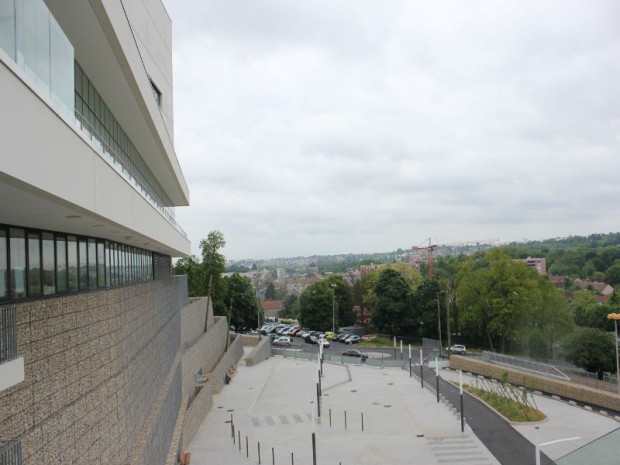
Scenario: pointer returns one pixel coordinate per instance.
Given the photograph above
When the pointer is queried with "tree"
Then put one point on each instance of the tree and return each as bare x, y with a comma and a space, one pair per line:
391, 312
343, 301
593, 350
315, 306
242, 305
497, 302
424, 315
270, 292
213, 265
612, 274
595, 316
191, 266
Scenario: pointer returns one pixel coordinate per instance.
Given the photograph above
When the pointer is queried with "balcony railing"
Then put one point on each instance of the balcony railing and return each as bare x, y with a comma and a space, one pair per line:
8, 336
11, 452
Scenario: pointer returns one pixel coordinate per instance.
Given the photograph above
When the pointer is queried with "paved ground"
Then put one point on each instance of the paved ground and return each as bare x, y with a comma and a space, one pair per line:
274, 404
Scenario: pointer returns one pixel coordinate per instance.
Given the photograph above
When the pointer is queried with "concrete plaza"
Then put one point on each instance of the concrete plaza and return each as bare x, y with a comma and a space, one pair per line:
369, 415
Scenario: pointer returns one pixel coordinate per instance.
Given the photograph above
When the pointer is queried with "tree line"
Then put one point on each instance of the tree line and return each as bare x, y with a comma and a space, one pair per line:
490, 300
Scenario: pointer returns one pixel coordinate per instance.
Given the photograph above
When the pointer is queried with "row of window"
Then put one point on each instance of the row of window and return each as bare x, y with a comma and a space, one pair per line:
40, 263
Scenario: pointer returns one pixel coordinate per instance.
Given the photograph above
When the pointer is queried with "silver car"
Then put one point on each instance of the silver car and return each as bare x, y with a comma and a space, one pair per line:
282, 341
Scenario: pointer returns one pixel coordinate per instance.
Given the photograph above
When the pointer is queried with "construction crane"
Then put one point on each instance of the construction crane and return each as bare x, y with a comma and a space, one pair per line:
430, 247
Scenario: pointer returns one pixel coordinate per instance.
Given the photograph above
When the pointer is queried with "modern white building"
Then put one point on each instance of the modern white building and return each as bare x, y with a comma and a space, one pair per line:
90, 315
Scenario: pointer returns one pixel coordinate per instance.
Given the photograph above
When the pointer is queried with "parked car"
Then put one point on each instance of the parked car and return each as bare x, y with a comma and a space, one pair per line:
311, 339
324, 342
342, 336
355, 353
458, 349
330, 336
353, 339
283, 341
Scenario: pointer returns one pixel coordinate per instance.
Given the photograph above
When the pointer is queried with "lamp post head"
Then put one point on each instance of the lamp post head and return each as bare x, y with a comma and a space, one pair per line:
613, 316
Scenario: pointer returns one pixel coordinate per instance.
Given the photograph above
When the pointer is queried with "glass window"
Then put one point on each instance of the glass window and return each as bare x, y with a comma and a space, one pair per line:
61, 264
49, 266
4, 277
72, 261
7, 27
100, 264
61, 69
33, 41
34, 264
92, 264
83, 263
17, 254
108, 265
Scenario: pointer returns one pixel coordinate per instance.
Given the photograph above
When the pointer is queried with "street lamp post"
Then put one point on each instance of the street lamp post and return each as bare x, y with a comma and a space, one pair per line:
616, 317
439, 323
333, 286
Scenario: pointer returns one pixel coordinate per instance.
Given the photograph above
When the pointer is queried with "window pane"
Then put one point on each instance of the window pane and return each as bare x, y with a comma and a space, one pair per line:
72, 256
61, 264
18, 263
100, 264
83, 261
114, 263
34, 264
4, 291
49, 276
108, 264
7, 28
92, 264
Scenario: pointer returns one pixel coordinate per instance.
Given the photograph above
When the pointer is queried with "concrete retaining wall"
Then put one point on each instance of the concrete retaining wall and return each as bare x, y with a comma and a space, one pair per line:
196, 412
193, 321
560, 388
261, 352
230, 357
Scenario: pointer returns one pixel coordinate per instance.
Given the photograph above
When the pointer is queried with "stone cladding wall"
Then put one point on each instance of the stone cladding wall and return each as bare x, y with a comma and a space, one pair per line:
95, 364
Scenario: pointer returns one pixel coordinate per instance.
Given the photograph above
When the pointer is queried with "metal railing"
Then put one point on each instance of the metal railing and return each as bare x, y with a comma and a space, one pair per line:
531, 366
382, 362
8, 334
11, 452
119, 163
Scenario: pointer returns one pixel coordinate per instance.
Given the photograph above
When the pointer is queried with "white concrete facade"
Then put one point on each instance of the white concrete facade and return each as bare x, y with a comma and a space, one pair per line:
58, 179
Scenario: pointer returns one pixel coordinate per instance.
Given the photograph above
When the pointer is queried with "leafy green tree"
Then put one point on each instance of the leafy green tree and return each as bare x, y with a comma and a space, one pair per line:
551, 321
213, 265
593, 350
289, 302
424, 316
612, 275
497, 302
343, 301
191, 266
391, 311
242, 304
315, 306
595, 316
270, 292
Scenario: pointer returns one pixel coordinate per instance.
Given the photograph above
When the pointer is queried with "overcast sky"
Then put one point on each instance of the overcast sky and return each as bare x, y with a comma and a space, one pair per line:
326, 127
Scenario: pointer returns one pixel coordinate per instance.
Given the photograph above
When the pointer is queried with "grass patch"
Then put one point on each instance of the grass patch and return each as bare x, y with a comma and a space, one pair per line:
378, 342
509, 408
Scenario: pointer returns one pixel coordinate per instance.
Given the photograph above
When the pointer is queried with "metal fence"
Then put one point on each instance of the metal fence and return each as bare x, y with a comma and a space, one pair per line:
523, 364
385, 361
8, 334
11, 452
